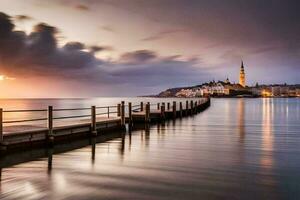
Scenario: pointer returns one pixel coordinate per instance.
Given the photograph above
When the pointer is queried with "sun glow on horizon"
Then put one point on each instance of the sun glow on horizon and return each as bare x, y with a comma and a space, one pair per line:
3, 78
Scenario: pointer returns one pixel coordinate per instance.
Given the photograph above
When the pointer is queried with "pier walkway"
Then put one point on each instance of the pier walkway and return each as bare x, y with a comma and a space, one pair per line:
54, 125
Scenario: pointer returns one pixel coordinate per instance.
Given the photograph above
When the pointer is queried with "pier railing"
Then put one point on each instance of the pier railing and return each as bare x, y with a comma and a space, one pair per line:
51, 117
109, 110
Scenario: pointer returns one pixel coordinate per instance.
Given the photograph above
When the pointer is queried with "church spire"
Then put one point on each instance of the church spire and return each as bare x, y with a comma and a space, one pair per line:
242, 65
242, 75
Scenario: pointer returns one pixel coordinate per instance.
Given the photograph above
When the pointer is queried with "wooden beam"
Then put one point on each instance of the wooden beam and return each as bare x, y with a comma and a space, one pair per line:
50, 136
129, 113
1, 126
93, 121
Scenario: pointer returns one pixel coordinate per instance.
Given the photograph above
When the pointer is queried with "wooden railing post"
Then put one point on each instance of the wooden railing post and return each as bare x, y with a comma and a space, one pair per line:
119, 109
162, 112
147, 113
123, 113
93, 121
180, 109
129, 113
1, 126
142, 107
50, 136
168, 106
192, 105
196, 107
107, 111
174, 109
158, 106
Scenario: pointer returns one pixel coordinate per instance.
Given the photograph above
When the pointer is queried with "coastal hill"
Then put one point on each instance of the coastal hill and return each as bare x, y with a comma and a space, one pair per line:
227, 89
171, 92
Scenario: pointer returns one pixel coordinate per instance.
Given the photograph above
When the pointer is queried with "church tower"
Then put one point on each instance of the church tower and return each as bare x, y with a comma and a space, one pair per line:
242, 76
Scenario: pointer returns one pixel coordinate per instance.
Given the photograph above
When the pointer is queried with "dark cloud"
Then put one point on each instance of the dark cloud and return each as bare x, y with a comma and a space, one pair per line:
136, 57
96, 48
163, 34
74, 46
42, 40
162, 72
11, 42
24, 55
82, 7
107, 28
39, 55
23, 18
6, 25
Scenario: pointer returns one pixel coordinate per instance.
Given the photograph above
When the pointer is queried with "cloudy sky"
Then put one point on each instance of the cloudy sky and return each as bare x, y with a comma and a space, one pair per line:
81, 48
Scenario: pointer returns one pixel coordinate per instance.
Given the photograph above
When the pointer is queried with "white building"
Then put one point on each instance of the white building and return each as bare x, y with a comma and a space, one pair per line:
215, 89
298, 92
280, 91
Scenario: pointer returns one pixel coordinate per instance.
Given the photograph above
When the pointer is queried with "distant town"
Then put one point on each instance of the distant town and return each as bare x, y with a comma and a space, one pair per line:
227, 89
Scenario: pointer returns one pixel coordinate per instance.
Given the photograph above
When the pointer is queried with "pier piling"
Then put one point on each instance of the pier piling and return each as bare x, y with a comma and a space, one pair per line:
2, 145
93, 121
147, 113
129, 113
119, 110
50, 136
142, 106
123, 113
1, 126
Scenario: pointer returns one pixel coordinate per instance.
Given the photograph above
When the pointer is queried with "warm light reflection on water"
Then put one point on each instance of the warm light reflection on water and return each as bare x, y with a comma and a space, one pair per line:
237, 149
267, 143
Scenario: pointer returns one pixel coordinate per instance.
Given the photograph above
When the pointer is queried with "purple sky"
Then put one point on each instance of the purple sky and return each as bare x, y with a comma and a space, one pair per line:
73, 48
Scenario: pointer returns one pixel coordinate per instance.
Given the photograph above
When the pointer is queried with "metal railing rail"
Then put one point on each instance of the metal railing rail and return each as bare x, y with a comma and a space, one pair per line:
24, 120
22, 111
35, 110
70, 109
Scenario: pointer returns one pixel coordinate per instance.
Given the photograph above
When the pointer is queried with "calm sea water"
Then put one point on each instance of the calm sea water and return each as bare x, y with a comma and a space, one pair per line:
42, 104
236, 149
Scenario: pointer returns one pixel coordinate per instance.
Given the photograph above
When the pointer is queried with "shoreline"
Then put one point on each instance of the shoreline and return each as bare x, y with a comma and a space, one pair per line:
227, 97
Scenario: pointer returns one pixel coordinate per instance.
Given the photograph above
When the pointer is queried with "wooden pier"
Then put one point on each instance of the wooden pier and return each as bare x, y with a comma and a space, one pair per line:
53, 127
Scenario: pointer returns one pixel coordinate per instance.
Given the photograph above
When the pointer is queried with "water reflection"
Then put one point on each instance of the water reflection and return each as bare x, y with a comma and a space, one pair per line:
147, 134
50, 156
209, 156
241, 119
122, 146
93, 146
267, 132
129, 137
267, 157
